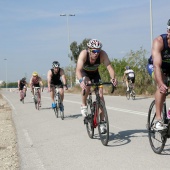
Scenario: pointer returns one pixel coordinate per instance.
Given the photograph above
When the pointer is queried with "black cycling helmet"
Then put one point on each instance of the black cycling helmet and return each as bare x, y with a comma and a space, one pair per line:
127, 67
23, 79
55, 64
168, 24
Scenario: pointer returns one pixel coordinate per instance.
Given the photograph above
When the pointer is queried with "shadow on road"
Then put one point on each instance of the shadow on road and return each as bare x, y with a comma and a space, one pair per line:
141, 98
45, 108
125, 137
72, 116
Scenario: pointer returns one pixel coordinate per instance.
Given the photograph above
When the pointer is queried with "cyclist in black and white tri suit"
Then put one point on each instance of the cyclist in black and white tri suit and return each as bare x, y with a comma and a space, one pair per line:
129, 75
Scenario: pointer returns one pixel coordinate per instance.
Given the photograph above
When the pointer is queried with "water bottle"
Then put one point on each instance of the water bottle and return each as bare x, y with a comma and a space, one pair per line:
168, 114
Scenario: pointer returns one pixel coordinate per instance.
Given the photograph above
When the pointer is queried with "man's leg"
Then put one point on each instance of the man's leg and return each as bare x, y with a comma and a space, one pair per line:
159, 100
127, 85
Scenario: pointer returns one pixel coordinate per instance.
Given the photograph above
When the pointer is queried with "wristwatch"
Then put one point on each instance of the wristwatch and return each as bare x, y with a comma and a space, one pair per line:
80, 80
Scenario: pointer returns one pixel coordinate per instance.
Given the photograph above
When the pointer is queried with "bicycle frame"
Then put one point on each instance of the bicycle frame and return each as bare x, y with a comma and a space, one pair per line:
59, 104
96, 119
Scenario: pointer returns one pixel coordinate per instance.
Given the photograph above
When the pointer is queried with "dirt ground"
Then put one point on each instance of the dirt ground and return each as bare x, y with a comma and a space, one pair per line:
9, 159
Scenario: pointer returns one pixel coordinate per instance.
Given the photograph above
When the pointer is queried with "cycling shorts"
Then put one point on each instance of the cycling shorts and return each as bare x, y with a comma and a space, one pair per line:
131, 78
36, 85
21, 87
165, 69
59, 85
93, 76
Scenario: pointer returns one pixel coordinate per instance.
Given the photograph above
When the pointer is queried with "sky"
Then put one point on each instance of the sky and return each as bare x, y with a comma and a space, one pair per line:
33, 34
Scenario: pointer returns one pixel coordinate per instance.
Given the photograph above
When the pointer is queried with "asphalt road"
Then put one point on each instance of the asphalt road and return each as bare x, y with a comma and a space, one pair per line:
49, 143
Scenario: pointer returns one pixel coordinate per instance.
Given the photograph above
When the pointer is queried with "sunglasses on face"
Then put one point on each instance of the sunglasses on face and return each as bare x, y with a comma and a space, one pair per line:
95, 51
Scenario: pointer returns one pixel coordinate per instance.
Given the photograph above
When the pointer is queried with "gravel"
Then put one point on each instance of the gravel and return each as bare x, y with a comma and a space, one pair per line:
9, 159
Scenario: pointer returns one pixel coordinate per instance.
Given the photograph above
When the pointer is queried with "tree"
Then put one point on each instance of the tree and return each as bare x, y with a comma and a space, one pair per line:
76, 49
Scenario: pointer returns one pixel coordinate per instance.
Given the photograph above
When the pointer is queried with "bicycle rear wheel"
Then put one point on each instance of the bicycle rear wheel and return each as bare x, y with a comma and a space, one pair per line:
133, 94
103, 123
157, 139
89, 120
128, 95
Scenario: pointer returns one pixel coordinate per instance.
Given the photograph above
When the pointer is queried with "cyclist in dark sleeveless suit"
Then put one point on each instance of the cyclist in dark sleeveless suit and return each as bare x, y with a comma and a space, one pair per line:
53, 78
161, 68
87, 69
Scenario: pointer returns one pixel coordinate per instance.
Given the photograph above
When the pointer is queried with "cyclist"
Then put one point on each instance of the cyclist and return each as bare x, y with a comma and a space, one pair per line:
36, 81
161, 67
129, 75
53, 78
87, 69
22, 85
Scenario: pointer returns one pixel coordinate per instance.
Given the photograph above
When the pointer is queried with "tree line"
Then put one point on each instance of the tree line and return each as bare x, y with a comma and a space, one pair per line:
137, 60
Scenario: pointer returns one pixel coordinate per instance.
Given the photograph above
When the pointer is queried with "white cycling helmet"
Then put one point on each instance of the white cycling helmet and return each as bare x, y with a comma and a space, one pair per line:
55, 64
94, 43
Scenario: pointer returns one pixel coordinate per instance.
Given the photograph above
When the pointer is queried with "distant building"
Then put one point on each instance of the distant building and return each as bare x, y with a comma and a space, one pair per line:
1, 81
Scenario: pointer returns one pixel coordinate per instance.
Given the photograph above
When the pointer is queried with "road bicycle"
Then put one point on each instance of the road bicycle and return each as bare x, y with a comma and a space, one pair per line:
22, 94
37, 97
131, 92
158, 138
59, 104
94, 118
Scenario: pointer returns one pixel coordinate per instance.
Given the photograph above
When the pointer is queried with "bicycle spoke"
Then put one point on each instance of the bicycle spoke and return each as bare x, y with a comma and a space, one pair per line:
103, 124
89, 120
157, 139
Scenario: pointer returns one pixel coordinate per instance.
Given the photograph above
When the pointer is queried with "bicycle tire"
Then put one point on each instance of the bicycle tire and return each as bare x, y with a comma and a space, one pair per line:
89, 120
56, 112
60, 107
35, 101
157, 139
133, 95
38, 100
61, 112
128, 95
104, 137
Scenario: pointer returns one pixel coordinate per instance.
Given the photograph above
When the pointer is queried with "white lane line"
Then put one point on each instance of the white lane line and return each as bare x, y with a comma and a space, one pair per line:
13, 108
127, 111
32, 153
116, 109
27, 137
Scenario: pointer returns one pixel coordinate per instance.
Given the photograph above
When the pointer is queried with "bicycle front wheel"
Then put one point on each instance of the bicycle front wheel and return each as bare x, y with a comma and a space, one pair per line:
89, 120
61, 111
103, 123
56, 111
36, 101
157, 139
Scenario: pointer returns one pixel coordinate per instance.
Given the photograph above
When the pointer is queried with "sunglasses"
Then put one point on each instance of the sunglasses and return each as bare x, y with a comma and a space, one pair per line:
95, 51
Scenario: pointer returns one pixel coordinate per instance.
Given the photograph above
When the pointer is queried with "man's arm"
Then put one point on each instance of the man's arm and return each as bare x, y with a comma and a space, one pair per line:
18, 83
41, 83
63, 77
105, 60
80, 62
124, 75
157, 62
49, 75
30, 82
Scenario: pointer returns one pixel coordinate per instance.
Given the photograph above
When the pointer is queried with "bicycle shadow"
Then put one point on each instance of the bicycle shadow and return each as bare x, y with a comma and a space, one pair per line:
45, 108
166, 150
70, 117
140, 98
125, 137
